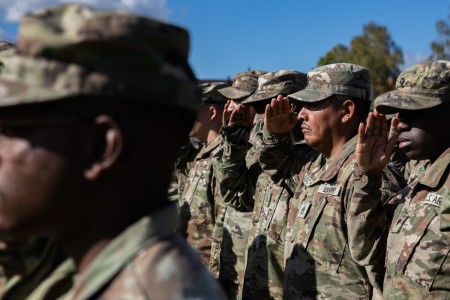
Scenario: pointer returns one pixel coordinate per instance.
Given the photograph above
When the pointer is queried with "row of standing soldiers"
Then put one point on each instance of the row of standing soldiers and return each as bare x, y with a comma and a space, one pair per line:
296, 191
281, 198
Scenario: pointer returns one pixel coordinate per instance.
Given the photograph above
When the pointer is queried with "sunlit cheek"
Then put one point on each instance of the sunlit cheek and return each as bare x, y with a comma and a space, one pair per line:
15, 150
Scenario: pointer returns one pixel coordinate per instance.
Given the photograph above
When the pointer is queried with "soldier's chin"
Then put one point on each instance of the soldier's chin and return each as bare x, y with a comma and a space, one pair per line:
412, 154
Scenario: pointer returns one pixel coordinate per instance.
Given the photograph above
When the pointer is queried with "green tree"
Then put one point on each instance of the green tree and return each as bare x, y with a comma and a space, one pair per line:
440, 49
375, 50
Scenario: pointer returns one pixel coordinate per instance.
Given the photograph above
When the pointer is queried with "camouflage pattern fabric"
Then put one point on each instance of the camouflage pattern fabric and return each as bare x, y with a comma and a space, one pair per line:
341, 78
281, 82
265, 255
237, 190
415, 168
71, 50
147, 261
210, 92
199, 201
418, 261
217, 241
421, 86
182, 166
324, 260
28, 264
233, 251
244, 84
56, 284
237, 170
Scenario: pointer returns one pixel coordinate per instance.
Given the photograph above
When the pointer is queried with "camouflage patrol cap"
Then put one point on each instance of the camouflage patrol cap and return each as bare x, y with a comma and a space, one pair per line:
244, 84
272, 84
72, 50
210, 92
421, 86
341, 78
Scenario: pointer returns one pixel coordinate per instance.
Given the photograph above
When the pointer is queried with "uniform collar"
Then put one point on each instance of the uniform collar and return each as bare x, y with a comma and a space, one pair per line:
435, 172
119, 252
209, 147
335, 164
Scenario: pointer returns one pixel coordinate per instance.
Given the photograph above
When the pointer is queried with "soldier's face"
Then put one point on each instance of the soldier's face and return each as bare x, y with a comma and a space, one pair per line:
318, 121
40, 162
423, 133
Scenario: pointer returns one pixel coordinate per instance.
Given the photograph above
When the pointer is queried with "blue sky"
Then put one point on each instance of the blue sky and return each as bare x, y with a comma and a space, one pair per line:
231, 36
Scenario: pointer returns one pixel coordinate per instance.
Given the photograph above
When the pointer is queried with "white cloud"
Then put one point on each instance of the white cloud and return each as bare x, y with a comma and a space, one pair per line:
13, 10
413, 58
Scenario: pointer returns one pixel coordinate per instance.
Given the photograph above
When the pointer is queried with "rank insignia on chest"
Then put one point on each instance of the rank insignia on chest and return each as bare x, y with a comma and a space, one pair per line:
307, 180
433, 199
328, 189
303, 211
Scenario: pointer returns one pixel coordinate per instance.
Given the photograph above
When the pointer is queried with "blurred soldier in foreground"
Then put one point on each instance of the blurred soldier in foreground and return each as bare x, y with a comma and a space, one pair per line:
86, 107
418, 246
25, 262
200, 200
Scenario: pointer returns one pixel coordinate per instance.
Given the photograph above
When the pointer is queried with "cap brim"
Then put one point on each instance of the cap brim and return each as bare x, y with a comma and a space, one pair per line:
308, 95
233, 93
393, 101
259, 97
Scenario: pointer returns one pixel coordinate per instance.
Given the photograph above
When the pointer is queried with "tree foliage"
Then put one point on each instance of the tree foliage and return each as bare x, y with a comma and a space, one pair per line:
441, 48
375, 50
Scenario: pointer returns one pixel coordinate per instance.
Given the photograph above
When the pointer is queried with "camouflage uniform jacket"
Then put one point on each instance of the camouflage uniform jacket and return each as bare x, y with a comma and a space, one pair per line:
57, 284
199, 202
29, 266
415, 168
182, 166
418, 250
236, 170
147, 261
321, 260
264, 272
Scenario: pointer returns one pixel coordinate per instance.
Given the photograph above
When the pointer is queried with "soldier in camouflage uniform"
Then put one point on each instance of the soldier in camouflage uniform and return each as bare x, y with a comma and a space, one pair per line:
83, 103
183, 164
418, 245
238, 170
321, 260
200, 200
25, 262
244, 84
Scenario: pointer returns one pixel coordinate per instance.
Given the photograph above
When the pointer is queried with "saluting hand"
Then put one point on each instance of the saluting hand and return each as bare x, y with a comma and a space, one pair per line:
242, 115
278, 117
374, 148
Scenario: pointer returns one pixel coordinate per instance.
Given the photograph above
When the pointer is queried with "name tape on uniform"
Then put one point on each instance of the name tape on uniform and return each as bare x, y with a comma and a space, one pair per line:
433, 199
329, 189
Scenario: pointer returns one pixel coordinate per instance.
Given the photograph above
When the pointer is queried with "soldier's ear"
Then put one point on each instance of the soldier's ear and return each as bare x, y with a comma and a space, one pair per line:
213, 113
108, 144
348, 111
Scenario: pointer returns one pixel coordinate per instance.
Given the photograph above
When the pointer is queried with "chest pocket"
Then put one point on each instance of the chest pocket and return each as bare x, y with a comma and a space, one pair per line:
425, 255
276, 216
198, 178
308, 218
270, 212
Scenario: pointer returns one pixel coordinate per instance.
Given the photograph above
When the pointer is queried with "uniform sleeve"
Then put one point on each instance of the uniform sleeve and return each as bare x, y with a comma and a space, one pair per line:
277, 158
445, 212
366, 217
230, 171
